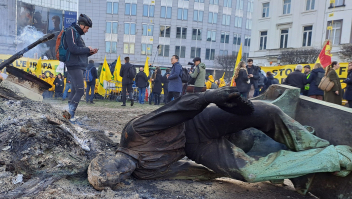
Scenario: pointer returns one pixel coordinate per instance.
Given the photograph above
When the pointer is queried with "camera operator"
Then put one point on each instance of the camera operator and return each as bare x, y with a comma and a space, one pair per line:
197, 75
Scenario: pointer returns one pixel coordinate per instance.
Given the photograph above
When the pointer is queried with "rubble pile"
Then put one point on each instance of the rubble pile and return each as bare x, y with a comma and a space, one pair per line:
39, 146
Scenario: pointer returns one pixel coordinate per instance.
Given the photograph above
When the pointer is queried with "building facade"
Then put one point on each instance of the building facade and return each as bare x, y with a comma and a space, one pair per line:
280, 25
161, 28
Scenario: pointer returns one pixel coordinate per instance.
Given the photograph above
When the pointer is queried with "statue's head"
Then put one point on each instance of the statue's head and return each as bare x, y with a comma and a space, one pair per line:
108, 170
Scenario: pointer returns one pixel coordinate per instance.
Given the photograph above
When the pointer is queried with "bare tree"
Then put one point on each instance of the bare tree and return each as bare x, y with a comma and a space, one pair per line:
227, 62
299, 56
347, 50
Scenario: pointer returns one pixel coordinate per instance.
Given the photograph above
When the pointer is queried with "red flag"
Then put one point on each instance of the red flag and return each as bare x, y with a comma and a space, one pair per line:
325, 55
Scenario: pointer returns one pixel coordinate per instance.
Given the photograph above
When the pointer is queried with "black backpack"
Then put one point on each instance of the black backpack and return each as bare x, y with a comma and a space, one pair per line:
185, 75
319, 77
131, 73
275, 81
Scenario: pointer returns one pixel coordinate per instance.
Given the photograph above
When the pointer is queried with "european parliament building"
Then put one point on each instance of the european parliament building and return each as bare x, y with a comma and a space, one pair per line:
162, 28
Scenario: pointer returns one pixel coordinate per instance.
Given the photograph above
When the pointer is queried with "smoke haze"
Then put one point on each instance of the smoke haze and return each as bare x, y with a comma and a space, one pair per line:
28, 35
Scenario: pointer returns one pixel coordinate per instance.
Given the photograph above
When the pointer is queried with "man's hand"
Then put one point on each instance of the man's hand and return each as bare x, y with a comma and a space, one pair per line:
250, 75
230, 100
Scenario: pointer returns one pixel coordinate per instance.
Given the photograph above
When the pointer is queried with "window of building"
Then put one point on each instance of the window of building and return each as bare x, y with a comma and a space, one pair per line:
263, 39
234, 53
249, 24
213, 17
164, 50
338, 3
198, 15
165, 31
211, 35
147, 29
181, 33
335, 33
245, 56
307, 36
112, 7
209, 54
226, 20
130, 28
196, 34
182, 14
110, 47
200, 1
214, 2
111, 27
237, 39
228, 3
284, 38
223, 53
148, 10
310, 5
247, 40
250, 6
147, 49
166, 12
238, 22
195, 52
131, 9
225, 37
128, 48
265, 10
287, 7
239, 5
180, 51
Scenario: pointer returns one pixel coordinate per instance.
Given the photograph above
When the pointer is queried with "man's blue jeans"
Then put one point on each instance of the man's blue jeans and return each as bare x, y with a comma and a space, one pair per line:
141, 95
90, 87
68, 87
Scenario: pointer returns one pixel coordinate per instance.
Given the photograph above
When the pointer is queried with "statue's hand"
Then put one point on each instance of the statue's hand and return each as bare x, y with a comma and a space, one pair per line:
230, 100
345, 157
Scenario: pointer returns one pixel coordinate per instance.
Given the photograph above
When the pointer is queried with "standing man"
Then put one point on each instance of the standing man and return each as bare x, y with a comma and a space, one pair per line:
253, 75
127, 81
78, 60
68, 85
141, 83
175, 82
296, 78
91, 84
165, 82
198, 74
307, 73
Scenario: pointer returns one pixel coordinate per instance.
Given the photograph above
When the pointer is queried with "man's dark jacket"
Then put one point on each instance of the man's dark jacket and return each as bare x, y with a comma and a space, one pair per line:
312, 80
79, 53
254, 70
141, 79
175, 82
296, 79
348, 81
124, 72
93, 70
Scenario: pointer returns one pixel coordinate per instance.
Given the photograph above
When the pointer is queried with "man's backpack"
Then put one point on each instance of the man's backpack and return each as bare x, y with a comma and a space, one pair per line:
275, 81
88, 77
319, 77
131, 73
62, 53
185, 77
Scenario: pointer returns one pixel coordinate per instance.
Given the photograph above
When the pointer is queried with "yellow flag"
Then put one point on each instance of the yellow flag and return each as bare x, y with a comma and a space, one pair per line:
105, 75
38, 68
117, 76
146, 67
223, 75
239, 57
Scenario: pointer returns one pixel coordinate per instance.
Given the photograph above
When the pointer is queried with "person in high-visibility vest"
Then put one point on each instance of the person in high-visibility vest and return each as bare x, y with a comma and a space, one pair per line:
307, 73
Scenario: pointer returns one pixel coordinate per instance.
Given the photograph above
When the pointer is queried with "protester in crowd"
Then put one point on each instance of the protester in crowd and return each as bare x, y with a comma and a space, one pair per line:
142, 84
175, 82
261, 83
253, 73
78, 61
222, 83
198, 74
210, 84
166, 84
50, 81
59, 86
348, 81
313, 79
91, 84
270, 80
296, 78
152, 77
67, 86
307, 73
242, 79
127, 81
334, 95
157, 86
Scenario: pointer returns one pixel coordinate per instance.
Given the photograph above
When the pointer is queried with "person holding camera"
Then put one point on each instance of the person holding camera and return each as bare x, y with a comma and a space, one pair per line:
198, 75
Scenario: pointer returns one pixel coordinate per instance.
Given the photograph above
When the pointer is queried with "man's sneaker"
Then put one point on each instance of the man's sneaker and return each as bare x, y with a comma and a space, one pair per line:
132, 102
92, 102
123, 105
